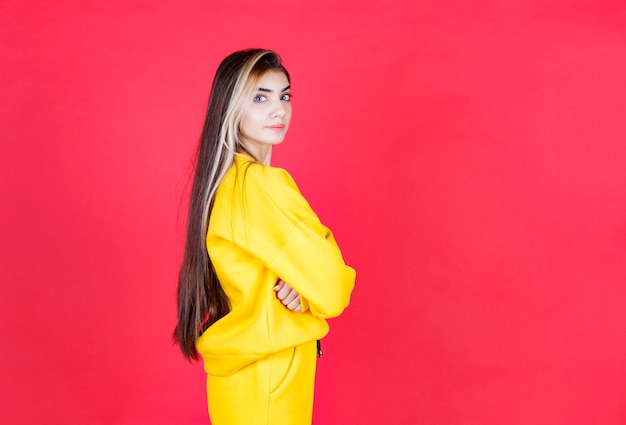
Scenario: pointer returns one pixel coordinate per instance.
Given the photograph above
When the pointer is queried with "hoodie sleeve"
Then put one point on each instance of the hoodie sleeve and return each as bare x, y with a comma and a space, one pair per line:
285, 233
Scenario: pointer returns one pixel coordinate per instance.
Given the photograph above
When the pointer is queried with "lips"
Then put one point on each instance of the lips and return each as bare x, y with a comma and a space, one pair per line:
276, 127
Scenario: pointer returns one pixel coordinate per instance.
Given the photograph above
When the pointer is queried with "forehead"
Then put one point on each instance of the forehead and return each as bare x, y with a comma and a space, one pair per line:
273, 80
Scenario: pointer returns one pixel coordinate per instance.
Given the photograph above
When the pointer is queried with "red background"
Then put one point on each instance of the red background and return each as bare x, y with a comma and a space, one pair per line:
470, 157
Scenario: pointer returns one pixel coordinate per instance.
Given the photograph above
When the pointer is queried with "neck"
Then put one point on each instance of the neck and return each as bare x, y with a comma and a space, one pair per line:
266, 157
262, 153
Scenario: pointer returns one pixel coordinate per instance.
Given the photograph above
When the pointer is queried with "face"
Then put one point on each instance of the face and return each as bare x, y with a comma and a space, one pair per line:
266, 119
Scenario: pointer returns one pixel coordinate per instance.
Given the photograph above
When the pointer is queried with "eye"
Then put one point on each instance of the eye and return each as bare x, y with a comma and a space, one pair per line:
286, 97
260, 98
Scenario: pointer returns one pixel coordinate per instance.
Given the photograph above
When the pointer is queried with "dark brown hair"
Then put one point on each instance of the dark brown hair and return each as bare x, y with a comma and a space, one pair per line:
201, 299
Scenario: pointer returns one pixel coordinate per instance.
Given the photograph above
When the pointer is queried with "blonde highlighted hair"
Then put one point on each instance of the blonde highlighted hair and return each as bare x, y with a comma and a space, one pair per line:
201, 300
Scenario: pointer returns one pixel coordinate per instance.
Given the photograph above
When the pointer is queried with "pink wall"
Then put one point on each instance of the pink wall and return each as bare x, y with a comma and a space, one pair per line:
470, 157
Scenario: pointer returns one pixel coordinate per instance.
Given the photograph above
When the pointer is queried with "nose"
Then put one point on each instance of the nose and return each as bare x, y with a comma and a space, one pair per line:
278, 110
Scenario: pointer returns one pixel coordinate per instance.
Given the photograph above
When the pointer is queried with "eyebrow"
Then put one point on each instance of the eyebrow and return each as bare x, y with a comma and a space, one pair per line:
272, 91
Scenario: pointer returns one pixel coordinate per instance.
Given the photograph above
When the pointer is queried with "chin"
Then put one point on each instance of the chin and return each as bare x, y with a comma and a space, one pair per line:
275, 142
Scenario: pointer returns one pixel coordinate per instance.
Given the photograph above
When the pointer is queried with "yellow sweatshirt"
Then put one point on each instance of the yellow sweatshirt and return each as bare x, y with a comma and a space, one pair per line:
262, 229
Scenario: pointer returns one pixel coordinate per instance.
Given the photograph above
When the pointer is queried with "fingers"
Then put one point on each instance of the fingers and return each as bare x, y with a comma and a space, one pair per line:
288, 296
284, 292
290, 299
294, 305
279, 285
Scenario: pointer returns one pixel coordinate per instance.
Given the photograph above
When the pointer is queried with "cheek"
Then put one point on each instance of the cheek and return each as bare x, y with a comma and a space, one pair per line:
251, 119
242, 126
247, 123
288, 113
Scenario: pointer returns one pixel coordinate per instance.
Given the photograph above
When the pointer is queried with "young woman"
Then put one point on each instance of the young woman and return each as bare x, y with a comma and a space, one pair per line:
260, 273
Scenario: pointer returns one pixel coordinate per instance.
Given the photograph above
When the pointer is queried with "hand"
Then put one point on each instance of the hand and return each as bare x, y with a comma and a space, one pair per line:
288, 296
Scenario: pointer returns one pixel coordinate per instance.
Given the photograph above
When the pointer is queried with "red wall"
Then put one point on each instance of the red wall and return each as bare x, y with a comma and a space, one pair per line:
470, 157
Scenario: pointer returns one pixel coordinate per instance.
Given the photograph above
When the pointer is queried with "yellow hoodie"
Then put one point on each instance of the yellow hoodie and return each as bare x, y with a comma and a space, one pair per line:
262, 229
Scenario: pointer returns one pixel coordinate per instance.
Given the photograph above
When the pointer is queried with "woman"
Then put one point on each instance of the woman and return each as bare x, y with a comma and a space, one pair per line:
260, 273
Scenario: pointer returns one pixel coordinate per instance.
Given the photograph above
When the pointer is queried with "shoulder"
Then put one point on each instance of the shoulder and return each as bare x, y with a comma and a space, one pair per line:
270, 180
274, 185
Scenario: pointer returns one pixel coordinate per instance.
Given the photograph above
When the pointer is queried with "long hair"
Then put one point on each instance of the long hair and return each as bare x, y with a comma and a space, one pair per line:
201, 299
